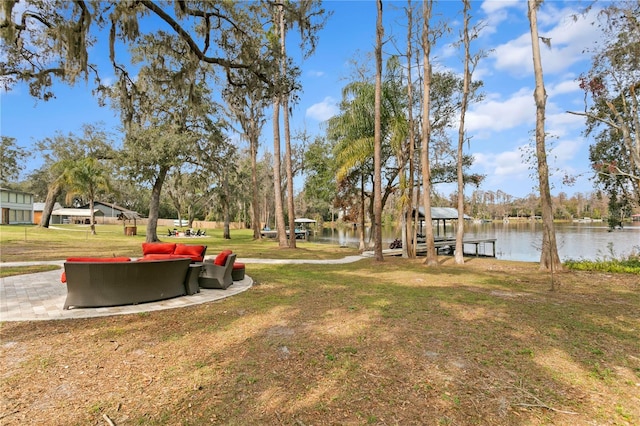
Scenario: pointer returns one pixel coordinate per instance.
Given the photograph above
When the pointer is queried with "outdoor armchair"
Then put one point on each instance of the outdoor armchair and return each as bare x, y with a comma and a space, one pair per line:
217, 273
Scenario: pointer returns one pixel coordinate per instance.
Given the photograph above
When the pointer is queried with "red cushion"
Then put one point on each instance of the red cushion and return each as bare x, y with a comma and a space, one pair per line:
98, 259
221, 259
238, 265
158, 248
192, 251
63, 277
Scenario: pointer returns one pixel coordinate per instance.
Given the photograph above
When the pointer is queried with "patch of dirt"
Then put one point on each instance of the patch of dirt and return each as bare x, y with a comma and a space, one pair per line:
483, 343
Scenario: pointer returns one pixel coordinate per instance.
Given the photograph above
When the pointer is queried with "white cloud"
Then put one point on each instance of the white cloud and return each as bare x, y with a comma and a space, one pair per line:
496, 115
506, 171
496, 12
492, 6
514, 56
314, 73
481, 72
569, 40
504, 164
562, 123
324, 110
107, 81
562, 87
565, 150
449, 50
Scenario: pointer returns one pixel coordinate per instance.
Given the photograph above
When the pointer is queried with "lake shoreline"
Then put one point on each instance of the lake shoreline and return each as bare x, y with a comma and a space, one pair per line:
521, 240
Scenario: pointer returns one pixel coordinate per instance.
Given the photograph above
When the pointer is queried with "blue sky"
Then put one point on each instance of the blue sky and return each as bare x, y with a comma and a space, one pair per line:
499, 126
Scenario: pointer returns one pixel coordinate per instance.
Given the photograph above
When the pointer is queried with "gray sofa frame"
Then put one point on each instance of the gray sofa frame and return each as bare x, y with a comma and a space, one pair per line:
97, 284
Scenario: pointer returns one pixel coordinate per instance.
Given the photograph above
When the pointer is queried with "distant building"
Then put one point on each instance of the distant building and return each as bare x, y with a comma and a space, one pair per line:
16, 207
82, 214
38, 209
438, 214
76, 216
111, 210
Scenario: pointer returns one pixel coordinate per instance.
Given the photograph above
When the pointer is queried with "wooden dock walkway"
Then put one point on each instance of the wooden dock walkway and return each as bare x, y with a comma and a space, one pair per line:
479, 245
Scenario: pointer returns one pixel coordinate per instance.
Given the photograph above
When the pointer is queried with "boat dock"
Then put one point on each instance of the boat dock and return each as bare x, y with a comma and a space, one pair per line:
301, 234
485, 247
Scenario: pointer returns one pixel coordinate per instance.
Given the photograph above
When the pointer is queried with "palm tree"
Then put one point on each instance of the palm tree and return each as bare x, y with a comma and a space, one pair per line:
354, 131
60, 153
86, 177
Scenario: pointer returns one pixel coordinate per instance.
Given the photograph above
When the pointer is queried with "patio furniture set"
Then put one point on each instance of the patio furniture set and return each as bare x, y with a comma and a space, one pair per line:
189, 232
165, 270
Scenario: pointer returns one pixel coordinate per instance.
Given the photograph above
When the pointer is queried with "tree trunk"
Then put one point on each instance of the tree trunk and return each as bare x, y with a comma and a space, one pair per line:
277, 189
287, 141
377, 152
255, 204
277, 159
92, 216
431, 256
549, 258
459, 252
226, 234
52, 194
190, 215
289, 166
154, 206
363, 245
409, 228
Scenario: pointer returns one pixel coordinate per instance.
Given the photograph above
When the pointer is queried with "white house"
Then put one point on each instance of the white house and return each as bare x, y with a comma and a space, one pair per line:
16, 206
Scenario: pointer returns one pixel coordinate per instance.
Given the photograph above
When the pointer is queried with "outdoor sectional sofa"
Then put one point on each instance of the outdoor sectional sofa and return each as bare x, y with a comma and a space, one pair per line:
94, 282
166, 270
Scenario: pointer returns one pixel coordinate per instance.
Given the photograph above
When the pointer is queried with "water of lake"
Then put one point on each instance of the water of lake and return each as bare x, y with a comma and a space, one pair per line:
522, 241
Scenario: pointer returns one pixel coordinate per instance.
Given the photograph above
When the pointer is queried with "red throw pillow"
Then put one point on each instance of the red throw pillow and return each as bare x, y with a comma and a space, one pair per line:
221, 259
193, 251
63, 277
158, 248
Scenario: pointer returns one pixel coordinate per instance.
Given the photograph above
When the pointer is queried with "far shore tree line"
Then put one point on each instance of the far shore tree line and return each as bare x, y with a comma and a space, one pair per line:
186, 92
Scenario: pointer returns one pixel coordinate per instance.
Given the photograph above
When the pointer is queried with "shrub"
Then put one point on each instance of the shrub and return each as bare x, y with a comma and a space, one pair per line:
629, 264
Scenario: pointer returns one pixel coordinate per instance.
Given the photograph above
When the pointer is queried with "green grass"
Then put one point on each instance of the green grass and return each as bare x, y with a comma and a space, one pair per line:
75, 240
362, 343
8, 271
627, 266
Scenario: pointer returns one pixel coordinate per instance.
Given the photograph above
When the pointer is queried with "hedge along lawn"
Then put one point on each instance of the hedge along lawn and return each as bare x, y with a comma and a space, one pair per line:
29, 243
360, 343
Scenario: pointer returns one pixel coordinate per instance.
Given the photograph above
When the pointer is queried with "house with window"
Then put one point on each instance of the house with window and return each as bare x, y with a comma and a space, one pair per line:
109, 209
16, 207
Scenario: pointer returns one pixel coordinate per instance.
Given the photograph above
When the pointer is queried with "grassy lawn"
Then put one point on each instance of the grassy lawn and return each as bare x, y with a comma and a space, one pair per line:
390, 343
20, 243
